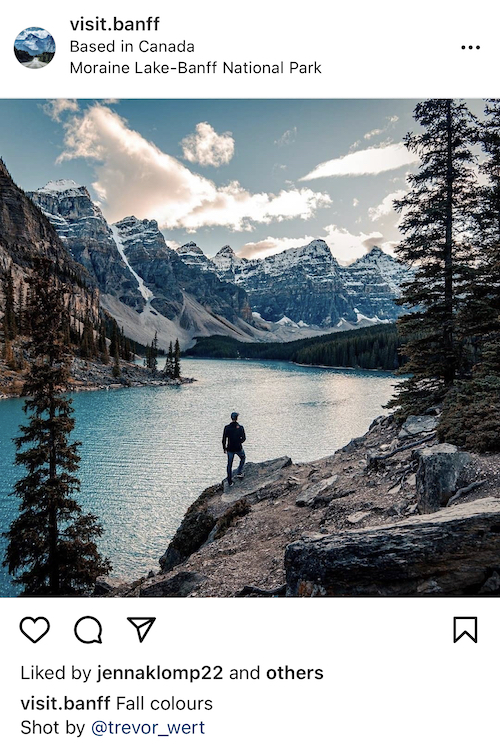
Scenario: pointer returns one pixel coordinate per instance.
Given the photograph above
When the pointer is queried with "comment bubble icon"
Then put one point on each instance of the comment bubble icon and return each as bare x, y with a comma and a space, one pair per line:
88, 629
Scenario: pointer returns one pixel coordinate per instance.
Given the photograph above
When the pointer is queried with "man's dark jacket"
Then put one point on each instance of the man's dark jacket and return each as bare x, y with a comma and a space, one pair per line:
233, 437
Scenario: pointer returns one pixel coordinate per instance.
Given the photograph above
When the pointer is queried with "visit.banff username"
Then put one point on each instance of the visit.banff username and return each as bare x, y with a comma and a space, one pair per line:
190, 68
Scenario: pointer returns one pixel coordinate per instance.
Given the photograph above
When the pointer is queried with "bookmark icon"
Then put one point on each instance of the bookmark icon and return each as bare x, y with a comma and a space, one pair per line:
464, 627
142, 625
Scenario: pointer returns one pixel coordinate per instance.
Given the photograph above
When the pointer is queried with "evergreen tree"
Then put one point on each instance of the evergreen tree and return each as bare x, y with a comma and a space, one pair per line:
103, 346
116, 364
114, 347
436, 227
152, 354
127, 354
168, 370
20, 310
177, 360
471, 411
88, 348
482, 309
51, 544
471, 414
8, 353
9, 318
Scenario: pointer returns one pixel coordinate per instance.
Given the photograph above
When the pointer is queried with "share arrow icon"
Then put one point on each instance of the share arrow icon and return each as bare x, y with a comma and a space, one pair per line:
142, 625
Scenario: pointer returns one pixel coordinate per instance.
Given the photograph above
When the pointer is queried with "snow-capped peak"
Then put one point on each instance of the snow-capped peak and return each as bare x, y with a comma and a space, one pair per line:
379, 263
375, 255
136, 224
192, 255
63, 186
190, 247
226, 250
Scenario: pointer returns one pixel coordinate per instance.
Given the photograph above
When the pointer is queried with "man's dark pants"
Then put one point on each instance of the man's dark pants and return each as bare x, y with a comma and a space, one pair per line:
230, 458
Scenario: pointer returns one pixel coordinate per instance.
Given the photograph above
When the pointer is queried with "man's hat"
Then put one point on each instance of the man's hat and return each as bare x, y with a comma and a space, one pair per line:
234, 415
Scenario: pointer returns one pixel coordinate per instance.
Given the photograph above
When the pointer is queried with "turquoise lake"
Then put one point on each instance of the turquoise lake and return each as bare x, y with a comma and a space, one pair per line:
147, 453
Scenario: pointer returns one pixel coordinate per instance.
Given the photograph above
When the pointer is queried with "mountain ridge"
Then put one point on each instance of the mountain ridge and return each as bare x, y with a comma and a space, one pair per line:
182, 291
307, 285
144, 284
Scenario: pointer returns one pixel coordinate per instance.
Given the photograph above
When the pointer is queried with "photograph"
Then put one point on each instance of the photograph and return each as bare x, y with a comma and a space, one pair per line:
34, 48
248, 347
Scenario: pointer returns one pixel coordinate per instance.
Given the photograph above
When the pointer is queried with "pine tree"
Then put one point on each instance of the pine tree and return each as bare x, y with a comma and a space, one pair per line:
436, 225
471, 411
20, 309
471, 415
168, 370
51, 544
8, 353
9, 318
114, 347
482, 309
116, 364
153, 358
127, 354
88, 348
103, 346
177, 360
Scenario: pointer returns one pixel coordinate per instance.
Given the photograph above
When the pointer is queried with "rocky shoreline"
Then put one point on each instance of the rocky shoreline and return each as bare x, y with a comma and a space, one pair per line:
88, 376
392, 513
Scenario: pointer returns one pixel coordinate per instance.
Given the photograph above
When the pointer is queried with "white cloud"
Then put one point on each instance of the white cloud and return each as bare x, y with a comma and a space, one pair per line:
391, 120
344, 245
173, 244
270, 246
206, 147
386, 206
355, 202
371, 161
287, 138
373, 133
57, 106
347, 247
133, 176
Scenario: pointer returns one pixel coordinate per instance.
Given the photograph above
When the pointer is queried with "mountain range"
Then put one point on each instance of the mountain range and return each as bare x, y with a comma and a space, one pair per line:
149, 287
143, 283
35, 41
307, 286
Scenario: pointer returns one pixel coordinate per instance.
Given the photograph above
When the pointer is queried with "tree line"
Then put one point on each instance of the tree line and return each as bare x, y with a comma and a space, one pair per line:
85, 330
374, 347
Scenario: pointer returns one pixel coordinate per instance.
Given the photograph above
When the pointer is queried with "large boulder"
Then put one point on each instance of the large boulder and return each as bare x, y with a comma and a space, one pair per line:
452, 552
179, 585
256, 478
415, 425
441, 472
218, 507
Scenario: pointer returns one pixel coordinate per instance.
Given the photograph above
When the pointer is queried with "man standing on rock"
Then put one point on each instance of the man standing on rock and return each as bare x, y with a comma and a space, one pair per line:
232, 441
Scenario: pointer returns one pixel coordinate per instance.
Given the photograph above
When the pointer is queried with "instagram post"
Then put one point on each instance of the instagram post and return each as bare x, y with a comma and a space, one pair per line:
249, 372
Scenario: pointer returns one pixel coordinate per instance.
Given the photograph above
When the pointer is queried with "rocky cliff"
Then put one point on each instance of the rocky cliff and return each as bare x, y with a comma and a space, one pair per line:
144, 284
81, 226
26, 232
392, 513
373, 282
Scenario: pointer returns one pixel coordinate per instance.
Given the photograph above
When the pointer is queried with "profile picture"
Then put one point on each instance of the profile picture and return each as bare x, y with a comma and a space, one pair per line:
34, 47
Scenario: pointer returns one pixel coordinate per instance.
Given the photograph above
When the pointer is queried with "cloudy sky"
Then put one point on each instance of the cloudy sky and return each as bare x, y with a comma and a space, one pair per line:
260, 175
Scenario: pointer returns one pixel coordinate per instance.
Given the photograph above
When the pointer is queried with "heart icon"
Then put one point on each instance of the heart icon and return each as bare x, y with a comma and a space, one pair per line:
34, 628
